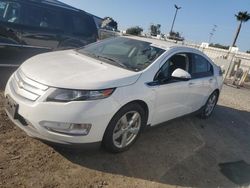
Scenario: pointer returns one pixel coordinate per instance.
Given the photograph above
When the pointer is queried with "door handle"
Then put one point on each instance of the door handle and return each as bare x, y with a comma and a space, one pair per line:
211, 80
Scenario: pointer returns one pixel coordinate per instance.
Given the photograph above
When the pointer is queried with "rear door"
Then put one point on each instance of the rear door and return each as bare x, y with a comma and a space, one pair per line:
83, 27
79, 29
202, 82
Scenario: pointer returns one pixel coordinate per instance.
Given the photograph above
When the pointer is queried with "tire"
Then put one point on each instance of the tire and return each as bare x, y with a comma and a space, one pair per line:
124, 128
208, 109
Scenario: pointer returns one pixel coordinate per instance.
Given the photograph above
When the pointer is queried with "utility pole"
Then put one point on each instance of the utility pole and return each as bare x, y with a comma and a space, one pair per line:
211, 34
177, 8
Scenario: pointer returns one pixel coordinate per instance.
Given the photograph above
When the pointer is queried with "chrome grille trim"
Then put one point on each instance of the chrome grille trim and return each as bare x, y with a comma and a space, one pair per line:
31, 82
27, 88
22, 92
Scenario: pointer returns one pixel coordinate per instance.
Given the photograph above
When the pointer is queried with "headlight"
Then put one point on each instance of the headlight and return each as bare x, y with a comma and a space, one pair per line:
67, 95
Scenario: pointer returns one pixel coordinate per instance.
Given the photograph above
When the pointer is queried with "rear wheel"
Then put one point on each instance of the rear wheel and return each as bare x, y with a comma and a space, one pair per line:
124, 128
209, 106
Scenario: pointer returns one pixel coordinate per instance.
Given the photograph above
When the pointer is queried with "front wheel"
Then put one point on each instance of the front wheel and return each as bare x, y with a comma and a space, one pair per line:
209, 106
124, 128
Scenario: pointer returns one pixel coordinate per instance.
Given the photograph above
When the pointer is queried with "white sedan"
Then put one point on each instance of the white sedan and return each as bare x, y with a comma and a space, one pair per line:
110, 91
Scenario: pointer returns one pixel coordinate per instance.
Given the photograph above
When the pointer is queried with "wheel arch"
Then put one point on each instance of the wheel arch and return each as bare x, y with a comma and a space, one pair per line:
142, 103
106, 135
218, 92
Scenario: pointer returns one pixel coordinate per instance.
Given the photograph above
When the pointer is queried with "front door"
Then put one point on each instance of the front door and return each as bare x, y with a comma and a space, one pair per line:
13, 50
172, 96
15, 44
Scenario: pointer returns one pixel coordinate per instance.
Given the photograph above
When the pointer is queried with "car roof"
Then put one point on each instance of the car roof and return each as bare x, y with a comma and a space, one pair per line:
166, 45
55, 3
158, 43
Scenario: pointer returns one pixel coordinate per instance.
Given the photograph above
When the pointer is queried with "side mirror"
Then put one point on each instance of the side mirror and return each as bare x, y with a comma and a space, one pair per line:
180, 74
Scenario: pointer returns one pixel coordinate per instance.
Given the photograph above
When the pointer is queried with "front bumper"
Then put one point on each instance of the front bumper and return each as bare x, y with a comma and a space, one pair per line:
98, 113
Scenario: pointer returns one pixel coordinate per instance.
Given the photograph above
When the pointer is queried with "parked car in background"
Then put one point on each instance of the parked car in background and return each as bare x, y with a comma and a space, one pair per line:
104, 33
30, 27
110, 90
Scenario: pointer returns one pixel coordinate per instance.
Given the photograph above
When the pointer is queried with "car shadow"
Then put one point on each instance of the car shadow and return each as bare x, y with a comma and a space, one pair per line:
186, 152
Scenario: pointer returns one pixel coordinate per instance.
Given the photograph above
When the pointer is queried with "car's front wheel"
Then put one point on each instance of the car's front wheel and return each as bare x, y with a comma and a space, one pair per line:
209, 106
124, 128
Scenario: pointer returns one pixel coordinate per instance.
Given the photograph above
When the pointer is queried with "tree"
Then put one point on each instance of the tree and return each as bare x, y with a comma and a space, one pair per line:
175, 36
109, 23
134, 30
241, 17
155, 29
248, 51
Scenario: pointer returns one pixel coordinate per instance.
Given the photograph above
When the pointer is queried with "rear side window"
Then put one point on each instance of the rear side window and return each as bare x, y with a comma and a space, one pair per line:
83, 25
201, 67
10, 12
43, 18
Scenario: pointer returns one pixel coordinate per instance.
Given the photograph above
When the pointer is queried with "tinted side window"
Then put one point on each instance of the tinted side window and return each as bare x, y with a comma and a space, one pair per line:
83, 25
201, 67
10, 12
43, 18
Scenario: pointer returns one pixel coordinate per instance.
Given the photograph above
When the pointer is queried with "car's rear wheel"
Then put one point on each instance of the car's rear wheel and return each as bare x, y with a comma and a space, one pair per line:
209, 106
124, 128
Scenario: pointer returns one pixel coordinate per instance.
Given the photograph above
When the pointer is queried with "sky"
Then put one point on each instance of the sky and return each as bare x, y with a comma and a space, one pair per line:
194, 21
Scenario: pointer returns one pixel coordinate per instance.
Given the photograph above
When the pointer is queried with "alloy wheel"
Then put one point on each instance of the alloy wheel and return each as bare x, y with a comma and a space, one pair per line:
211, 104
126, 129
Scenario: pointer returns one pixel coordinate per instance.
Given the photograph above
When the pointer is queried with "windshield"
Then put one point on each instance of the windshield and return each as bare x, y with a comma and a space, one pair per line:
124, 52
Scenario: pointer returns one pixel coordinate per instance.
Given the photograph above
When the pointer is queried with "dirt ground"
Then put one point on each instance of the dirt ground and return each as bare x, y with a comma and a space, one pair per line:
187, 152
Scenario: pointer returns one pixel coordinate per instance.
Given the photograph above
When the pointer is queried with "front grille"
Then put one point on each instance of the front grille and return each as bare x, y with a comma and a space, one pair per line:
27, 88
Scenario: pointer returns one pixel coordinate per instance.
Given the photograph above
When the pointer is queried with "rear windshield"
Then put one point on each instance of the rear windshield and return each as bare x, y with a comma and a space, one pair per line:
128, 53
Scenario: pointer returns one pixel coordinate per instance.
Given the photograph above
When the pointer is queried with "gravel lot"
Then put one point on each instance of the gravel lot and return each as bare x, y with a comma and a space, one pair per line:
186, 153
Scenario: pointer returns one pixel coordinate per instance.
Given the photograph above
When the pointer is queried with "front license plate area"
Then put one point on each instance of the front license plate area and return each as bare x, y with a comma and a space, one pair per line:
11, 106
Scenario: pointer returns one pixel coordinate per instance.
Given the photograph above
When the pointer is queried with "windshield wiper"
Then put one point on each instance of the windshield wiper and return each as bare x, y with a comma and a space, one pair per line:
109, 59
113, 60
89, 54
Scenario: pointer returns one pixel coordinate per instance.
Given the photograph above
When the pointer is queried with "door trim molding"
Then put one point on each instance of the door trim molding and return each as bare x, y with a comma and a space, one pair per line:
9, 65
23, 46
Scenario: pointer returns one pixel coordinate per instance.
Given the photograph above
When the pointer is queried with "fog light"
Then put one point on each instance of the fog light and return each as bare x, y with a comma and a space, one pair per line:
67, 128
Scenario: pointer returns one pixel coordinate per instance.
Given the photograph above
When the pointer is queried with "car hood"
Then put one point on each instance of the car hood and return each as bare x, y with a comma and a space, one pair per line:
72, 70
